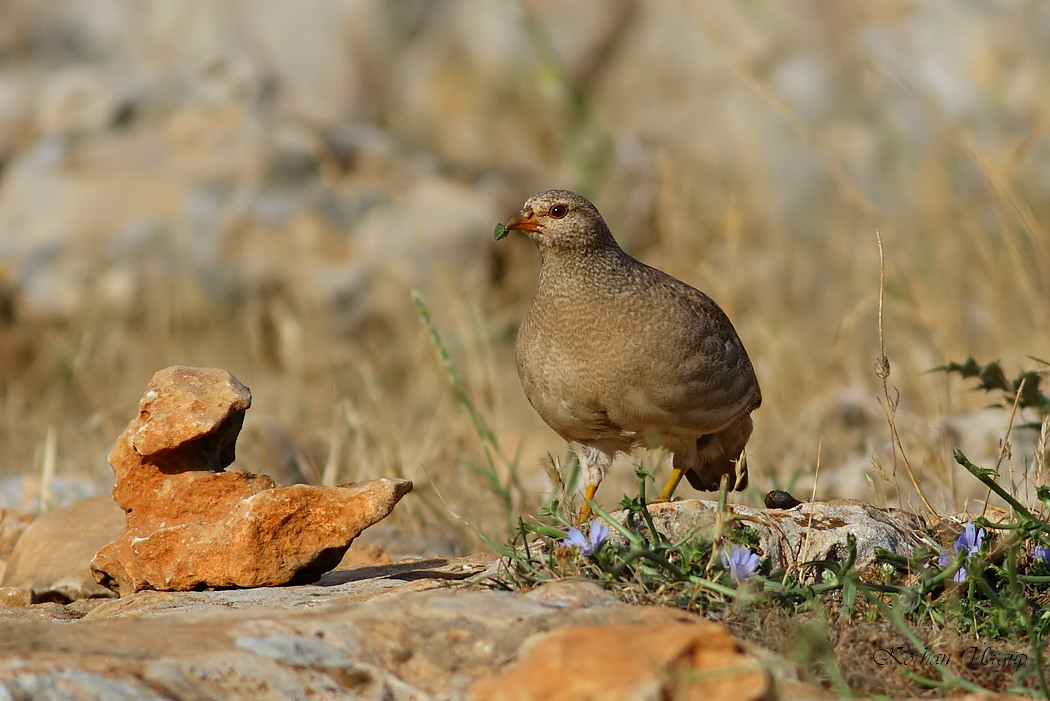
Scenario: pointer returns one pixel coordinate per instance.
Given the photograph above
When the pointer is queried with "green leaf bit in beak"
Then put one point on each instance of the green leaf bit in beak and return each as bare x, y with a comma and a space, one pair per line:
500, 232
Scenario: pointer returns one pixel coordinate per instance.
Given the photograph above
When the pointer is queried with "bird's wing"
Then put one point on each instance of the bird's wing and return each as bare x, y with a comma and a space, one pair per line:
696, 371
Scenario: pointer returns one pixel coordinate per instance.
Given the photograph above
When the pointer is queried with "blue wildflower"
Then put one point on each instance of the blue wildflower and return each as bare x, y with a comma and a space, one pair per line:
588, 545
740, 562
1041, 552
969, 540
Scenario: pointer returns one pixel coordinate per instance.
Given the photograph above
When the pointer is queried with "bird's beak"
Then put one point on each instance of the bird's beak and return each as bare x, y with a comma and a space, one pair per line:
522, 221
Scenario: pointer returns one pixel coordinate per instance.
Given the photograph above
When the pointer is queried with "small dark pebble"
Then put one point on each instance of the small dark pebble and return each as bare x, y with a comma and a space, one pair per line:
779, 499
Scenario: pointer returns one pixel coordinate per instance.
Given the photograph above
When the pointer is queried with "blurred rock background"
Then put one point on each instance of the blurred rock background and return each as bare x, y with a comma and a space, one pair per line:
258, 186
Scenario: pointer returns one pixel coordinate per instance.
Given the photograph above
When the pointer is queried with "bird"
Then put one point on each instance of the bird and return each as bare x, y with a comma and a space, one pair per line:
615, 355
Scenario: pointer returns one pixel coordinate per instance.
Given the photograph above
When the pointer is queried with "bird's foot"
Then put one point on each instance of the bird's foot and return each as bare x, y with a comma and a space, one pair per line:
585, 510
672, 484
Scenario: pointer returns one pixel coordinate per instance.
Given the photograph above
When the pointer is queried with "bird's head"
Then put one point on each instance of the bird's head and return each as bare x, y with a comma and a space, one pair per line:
559, 219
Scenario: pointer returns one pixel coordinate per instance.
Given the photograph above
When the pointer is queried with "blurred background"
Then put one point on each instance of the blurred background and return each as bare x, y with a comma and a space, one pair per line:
259, 186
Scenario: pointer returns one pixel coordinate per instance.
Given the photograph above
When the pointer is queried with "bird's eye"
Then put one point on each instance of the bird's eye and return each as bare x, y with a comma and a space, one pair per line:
558, 211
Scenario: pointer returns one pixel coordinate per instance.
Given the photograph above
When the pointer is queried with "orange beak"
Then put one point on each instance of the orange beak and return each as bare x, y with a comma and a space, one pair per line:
523, 221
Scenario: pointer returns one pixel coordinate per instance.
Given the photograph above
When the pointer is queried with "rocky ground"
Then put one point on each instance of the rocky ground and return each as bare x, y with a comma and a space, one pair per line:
396, 631
204, 558
372, 628
411, 629
183, 519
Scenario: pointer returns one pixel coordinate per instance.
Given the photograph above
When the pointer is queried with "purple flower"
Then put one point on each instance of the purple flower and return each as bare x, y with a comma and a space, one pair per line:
588, 545
740, 562
971, 539
1041, 552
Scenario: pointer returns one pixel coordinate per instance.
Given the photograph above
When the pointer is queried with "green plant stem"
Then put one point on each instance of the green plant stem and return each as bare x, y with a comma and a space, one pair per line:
984, 475
489, 444
635, 540
1033, 579
728, 592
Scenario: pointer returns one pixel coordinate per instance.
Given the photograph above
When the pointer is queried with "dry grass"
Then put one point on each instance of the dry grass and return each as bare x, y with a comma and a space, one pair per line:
752, 152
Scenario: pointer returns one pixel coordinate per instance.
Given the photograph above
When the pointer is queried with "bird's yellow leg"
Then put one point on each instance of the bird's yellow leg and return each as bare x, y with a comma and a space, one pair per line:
672, 484
585, 510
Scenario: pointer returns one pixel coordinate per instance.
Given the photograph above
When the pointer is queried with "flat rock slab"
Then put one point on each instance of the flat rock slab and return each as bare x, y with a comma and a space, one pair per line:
52, 558
391, 632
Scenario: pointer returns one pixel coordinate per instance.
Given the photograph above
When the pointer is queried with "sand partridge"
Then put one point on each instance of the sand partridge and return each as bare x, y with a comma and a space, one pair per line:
614, 354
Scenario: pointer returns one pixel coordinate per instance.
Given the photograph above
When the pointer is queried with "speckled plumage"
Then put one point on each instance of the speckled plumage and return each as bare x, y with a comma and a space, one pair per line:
614, 354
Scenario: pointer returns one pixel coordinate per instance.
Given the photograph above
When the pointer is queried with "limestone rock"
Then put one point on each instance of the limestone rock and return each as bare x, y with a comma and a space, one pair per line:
53, 556
190, 524
810, 531
789, 537
695, 661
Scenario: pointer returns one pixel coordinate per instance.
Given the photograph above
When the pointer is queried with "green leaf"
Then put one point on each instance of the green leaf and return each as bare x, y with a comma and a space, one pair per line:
991, 378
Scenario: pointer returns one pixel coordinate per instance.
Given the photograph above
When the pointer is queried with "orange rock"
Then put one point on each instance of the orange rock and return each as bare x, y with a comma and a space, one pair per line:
680, 661
190, 524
